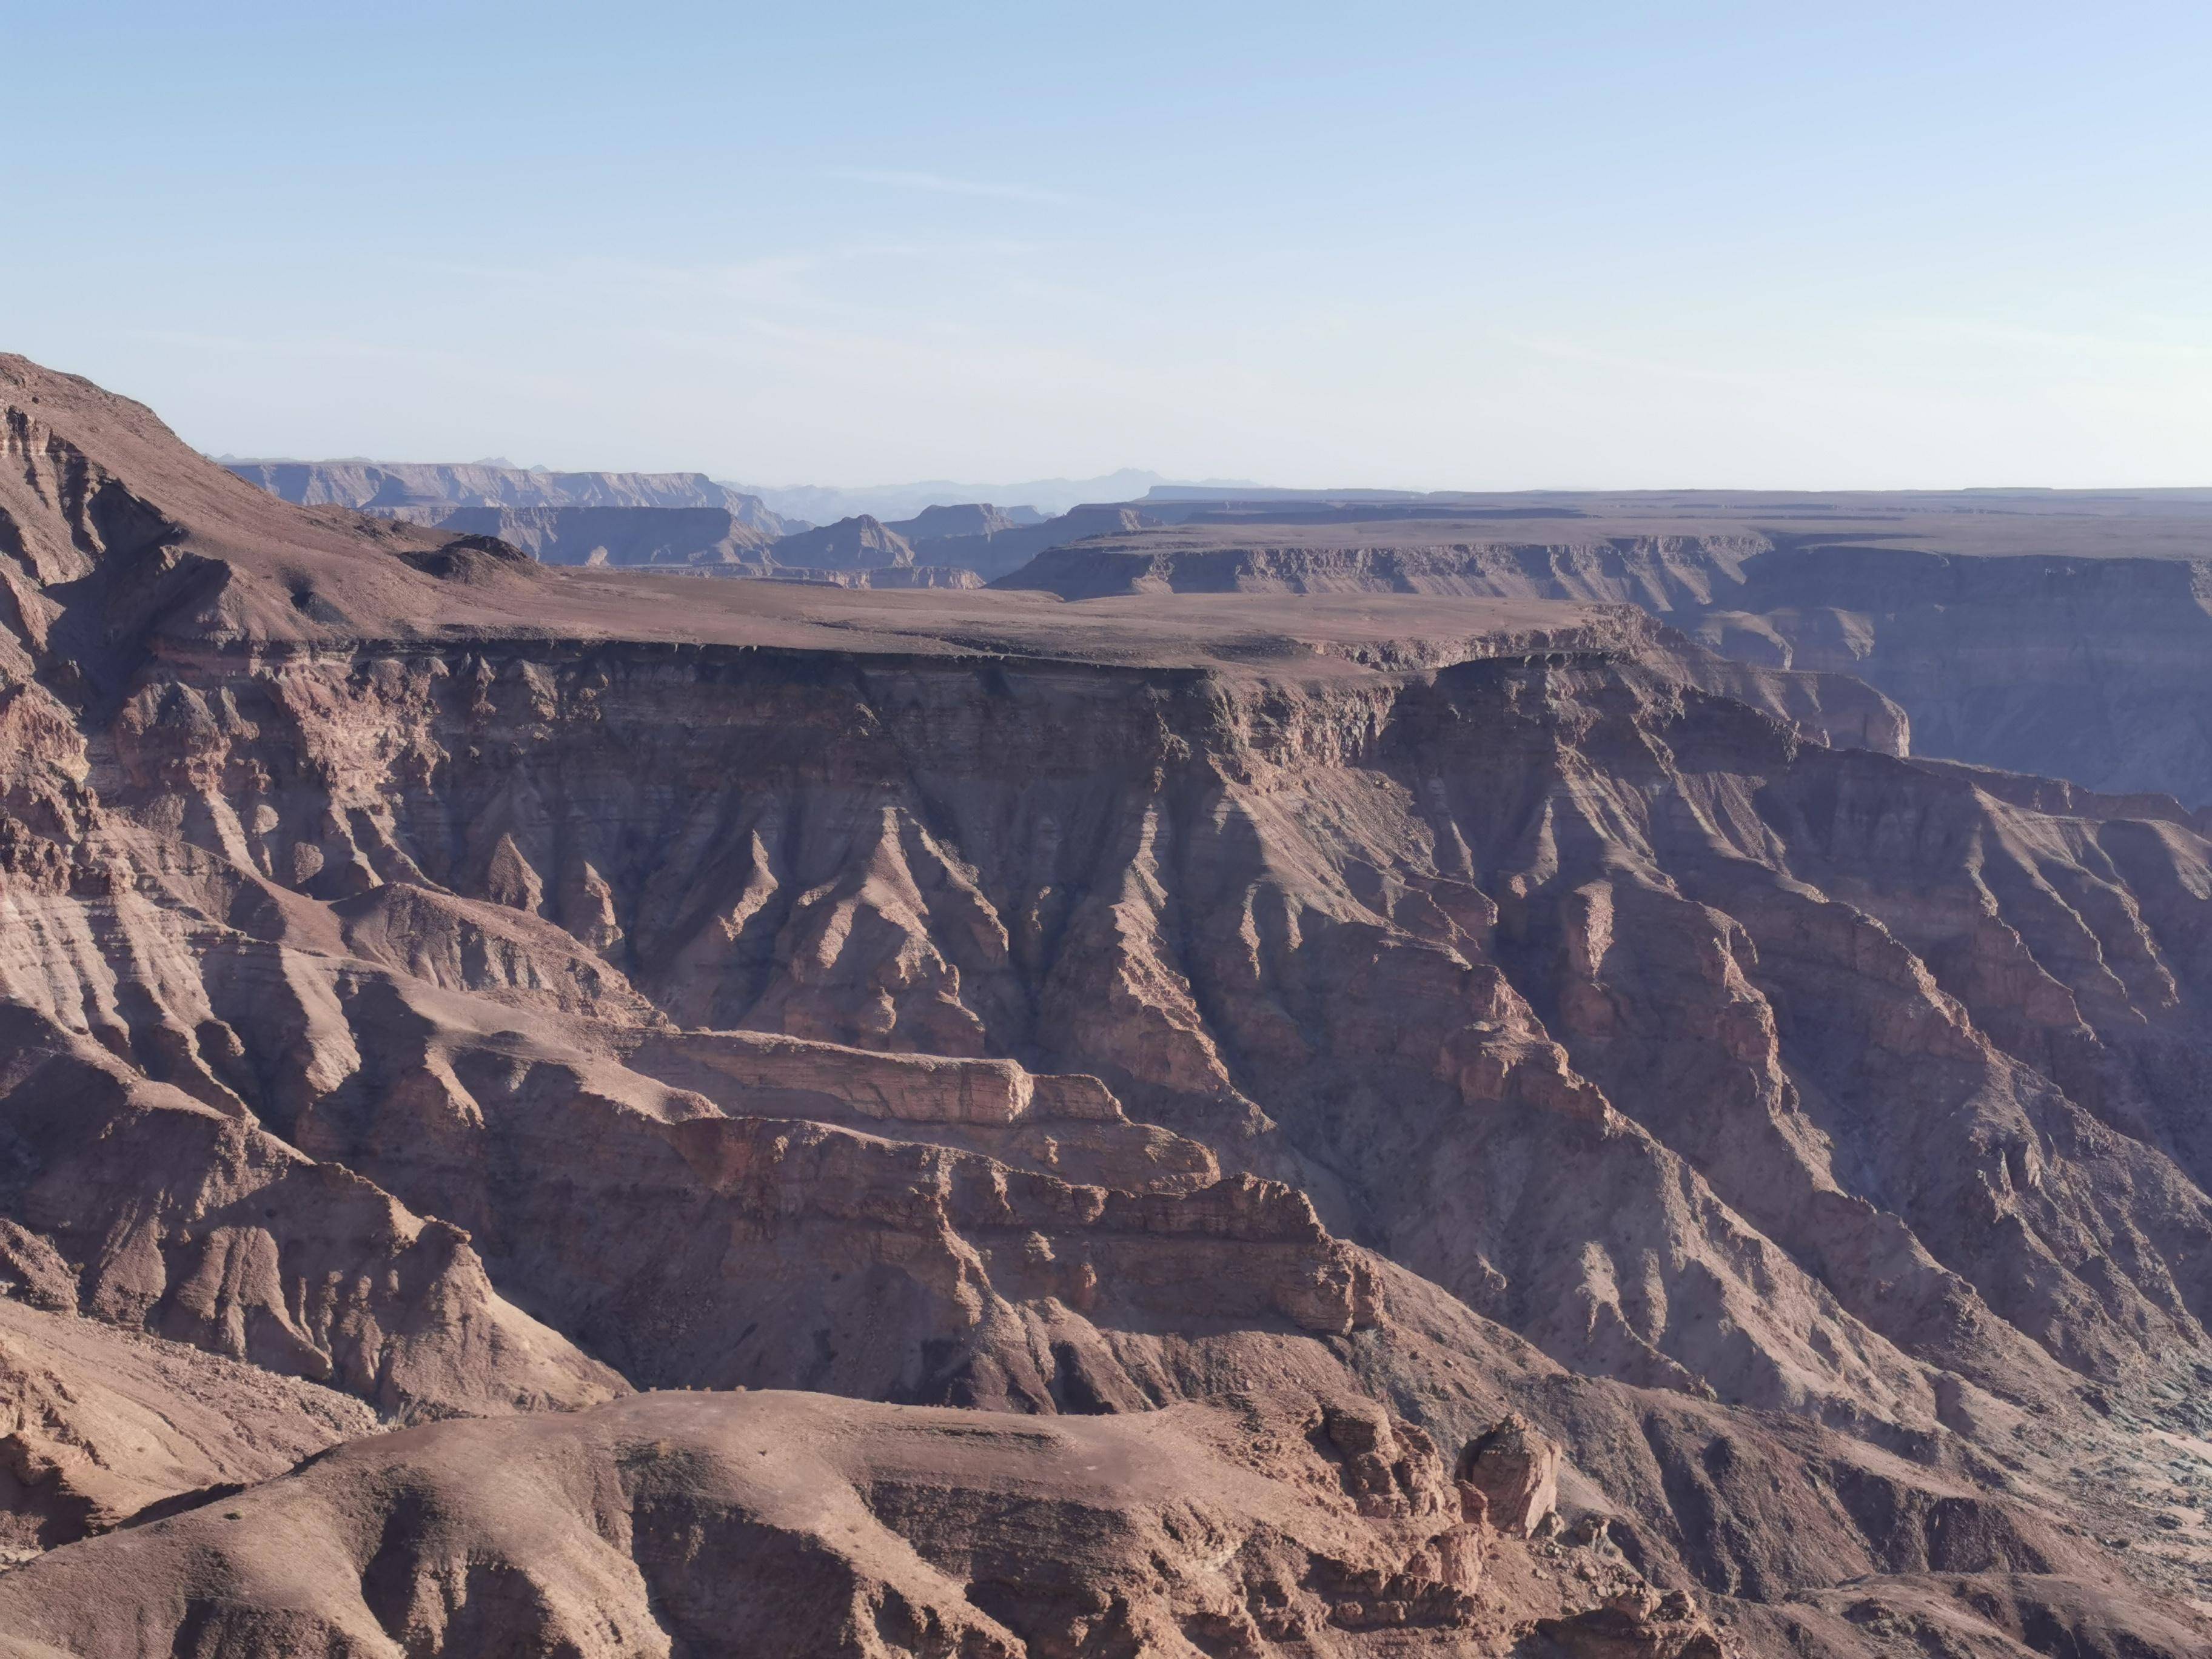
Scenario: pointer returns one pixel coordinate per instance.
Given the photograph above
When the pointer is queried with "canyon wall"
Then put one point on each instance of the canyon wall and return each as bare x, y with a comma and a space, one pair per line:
1352, 1041
2089, 666
421, 489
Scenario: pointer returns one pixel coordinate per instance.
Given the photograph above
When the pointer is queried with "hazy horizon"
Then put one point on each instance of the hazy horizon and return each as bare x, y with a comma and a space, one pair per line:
1626, 248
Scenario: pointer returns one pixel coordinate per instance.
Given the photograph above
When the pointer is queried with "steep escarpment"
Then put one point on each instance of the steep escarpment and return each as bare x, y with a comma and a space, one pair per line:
1549, 912
113, 534
2089, 666
1274, 934
1660, 572
999, 550
1316, 1031
652, 538
425, 491
1322, 911
2090, 669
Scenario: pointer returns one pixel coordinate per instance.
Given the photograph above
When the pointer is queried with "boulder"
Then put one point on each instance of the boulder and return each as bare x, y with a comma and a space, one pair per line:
1509, 1476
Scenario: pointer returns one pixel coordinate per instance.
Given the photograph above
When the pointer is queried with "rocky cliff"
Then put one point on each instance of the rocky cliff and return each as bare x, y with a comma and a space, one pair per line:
422, 490
999, 550
2087, 661
652, 538
1312, 1031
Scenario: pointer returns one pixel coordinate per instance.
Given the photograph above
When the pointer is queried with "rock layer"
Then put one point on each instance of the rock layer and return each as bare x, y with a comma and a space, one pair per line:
421, 490
2081, 662
652, 538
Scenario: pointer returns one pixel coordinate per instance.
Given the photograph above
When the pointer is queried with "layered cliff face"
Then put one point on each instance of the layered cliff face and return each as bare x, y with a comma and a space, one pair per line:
2094, 670
710, 538
423, 491
1462, 1007
1314, 930
2084, 661
999, 549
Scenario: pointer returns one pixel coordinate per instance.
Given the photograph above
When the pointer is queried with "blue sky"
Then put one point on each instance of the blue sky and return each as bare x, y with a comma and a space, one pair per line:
1423, 245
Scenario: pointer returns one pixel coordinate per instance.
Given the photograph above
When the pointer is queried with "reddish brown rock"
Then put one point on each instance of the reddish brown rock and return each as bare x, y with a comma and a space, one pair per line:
482, 988
786, 1525
98, 1425
1509, 1478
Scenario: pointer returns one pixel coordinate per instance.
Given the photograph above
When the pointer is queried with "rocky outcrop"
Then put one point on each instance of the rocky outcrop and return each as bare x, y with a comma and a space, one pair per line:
141, 1205
996, 552
1638, 1623
1509, 1476
969, 519
801, 1525
858, 543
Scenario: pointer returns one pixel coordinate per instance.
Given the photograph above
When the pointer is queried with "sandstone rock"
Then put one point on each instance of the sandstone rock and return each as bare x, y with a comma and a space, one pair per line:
1510, 1478
1635, 1625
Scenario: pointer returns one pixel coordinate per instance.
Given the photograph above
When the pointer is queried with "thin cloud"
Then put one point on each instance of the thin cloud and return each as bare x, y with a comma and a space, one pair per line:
2165, 342
940, 184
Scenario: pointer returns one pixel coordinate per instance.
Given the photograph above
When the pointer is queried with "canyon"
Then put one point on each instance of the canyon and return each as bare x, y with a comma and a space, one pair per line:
2062, 633
1378, 1085
2053, 632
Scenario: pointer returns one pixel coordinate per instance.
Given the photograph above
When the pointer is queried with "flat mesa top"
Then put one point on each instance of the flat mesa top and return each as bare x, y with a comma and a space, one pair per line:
1321, 634
193, 556
2176, 525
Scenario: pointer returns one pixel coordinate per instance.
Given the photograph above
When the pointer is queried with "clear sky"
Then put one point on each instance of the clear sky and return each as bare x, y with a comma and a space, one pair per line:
1470, 246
